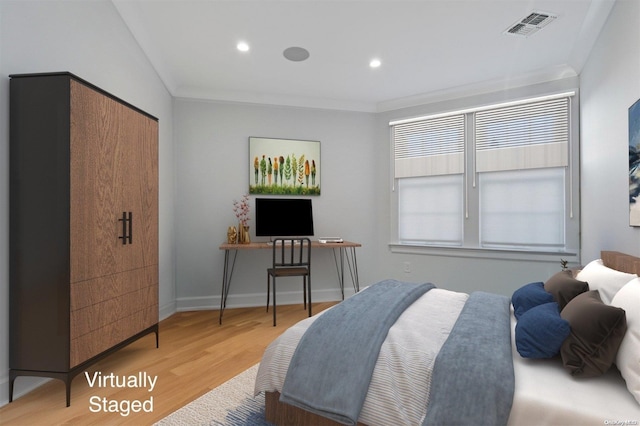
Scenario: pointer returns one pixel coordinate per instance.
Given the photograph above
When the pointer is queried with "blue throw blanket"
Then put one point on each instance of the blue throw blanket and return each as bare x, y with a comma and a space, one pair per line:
473, 380
331, 368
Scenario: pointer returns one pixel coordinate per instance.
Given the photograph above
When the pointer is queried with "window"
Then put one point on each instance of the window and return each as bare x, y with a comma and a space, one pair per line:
429, 162
495, 178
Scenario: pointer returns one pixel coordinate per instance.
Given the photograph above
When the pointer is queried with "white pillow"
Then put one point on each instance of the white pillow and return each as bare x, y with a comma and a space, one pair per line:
606, 280
628, 358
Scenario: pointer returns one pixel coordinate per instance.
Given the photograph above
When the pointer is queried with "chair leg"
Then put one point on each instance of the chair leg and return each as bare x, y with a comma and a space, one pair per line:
309, 292
274, 301
304, 291
268, 289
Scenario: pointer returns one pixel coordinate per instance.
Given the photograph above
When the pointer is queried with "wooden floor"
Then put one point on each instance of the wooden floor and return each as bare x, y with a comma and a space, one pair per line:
195, 355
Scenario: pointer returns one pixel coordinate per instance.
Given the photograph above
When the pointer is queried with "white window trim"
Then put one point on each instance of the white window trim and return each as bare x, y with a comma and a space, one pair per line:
486, 253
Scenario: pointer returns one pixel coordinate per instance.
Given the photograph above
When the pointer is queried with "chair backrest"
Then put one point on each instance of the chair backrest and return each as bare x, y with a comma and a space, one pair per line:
291, 252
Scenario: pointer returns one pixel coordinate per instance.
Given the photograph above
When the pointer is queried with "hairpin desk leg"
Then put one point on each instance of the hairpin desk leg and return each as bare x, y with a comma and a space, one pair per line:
227, 273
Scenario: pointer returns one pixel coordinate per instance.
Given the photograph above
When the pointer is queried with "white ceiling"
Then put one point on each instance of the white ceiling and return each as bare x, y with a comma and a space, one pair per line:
428, 48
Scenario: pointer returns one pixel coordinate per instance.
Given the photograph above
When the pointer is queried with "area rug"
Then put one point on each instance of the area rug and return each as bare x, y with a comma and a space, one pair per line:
230, 404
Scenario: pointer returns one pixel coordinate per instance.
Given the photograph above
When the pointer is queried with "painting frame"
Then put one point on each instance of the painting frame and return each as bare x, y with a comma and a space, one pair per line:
634, 164
284, 166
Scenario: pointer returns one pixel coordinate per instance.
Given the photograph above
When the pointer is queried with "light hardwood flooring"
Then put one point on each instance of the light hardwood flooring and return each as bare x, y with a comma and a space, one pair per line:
195, 355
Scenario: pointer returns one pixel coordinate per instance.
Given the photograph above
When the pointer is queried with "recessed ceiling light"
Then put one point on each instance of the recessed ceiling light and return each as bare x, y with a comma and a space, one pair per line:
243, 46
296, 54
375, 63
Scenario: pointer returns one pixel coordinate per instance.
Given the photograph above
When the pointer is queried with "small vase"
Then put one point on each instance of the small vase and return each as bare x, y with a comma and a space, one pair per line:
232, 235
243, 234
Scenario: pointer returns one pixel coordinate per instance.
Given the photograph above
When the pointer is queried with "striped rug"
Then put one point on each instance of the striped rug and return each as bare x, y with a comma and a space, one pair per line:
230, 404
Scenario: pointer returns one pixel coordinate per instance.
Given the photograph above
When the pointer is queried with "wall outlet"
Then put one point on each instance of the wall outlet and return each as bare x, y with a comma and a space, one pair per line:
406, 267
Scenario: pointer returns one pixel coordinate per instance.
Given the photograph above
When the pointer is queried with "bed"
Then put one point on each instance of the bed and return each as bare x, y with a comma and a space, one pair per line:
563, 351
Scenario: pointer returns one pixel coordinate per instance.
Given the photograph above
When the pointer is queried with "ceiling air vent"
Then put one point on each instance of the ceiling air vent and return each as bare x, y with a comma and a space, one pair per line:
530, 24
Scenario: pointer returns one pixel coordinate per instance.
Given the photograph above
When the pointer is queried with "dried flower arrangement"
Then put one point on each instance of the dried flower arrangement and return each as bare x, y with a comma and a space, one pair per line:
241, 209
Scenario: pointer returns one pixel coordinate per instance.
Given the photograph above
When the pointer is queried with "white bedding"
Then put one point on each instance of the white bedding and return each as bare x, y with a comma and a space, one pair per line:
544, 392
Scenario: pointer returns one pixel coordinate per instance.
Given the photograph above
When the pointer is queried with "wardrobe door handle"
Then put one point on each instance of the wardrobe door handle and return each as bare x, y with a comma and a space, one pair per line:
130, 228
127, 228
124, 221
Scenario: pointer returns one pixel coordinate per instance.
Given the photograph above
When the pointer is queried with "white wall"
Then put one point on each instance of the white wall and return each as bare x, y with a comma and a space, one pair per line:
212, 148
610, 84
213, 170
90, 40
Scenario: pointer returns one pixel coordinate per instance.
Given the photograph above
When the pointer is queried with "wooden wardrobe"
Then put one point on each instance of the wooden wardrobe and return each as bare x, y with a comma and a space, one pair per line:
83, 226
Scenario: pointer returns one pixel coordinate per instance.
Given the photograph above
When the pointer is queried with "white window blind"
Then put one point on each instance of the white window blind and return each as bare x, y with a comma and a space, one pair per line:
430, 210
524, 136
523, 209
429, 147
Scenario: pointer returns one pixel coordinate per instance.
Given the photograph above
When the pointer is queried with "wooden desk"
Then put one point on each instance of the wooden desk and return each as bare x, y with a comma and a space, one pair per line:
346, 253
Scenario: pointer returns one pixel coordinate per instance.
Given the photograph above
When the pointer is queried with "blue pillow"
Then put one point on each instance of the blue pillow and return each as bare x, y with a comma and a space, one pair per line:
541, 331
529, 296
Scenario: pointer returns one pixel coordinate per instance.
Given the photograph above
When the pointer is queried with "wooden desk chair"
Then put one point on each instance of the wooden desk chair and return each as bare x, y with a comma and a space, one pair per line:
291, 257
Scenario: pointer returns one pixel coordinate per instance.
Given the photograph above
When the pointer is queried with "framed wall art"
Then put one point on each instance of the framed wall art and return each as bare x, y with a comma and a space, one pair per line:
634, 164
284, 166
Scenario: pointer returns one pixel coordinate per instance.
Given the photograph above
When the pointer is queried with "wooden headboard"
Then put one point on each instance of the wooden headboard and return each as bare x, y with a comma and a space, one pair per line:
621, 262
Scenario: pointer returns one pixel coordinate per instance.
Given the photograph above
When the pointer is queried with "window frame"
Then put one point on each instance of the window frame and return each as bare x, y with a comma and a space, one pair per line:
471, 246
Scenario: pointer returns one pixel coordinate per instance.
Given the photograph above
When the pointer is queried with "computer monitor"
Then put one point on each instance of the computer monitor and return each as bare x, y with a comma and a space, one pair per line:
284, 217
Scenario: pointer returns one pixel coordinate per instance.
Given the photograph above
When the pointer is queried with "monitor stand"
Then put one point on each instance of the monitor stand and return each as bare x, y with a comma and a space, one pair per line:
270, 242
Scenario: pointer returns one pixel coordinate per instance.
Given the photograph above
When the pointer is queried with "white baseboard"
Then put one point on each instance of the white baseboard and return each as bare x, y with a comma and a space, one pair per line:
167, 310
22, 386
253, 300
